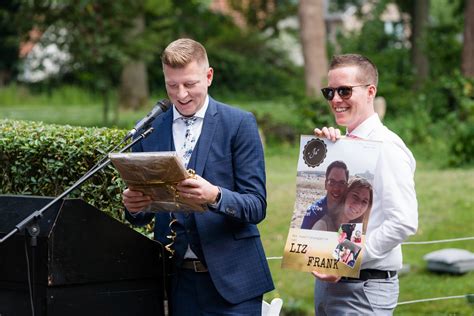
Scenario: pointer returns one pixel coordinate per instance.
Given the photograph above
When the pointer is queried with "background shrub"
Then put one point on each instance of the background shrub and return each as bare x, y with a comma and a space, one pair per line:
45, 160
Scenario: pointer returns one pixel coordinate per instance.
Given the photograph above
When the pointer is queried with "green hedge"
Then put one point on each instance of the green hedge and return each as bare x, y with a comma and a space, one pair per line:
45, 160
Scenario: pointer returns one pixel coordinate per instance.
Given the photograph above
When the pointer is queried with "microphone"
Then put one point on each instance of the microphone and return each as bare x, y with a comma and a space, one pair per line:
160, 107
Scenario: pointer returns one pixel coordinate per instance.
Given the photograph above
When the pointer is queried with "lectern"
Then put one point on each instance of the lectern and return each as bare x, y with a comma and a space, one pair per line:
85, 263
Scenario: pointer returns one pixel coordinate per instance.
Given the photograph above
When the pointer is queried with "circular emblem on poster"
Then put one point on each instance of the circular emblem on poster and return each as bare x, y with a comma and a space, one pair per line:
314, 152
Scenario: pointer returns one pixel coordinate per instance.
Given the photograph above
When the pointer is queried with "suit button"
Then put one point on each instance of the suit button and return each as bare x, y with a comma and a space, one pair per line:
230, 211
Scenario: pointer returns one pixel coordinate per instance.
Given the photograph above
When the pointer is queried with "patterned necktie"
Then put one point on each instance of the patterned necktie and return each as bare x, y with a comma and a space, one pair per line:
189, 139
353, 136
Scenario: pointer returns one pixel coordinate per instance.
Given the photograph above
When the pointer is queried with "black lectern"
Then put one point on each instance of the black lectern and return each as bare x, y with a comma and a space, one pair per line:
84, 263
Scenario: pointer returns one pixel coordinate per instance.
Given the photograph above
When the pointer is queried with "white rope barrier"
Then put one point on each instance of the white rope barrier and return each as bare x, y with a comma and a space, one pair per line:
434, 299
436, 241
410, 243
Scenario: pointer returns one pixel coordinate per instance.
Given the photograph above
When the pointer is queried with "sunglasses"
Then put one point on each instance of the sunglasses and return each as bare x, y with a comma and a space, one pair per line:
339, 184
345, 92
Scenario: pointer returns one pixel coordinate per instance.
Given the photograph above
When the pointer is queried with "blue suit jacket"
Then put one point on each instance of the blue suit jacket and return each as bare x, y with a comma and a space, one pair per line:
228, 154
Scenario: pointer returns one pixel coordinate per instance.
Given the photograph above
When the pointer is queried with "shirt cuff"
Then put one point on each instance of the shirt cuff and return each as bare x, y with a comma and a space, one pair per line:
216, 204
134, 214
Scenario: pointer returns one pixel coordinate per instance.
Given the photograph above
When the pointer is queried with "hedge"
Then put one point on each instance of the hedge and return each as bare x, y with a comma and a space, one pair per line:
45, 160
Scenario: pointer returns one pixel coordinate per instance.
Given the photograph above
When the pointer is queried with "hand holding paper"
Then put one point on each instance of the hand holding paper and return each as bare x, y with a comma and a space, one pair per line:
135, 201
197, 190
152, 179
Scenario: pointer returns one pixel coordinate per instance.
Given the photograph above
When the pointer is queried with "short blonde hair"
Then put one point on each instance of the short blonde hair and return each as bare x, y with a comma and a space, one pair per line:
183, 51
368, 73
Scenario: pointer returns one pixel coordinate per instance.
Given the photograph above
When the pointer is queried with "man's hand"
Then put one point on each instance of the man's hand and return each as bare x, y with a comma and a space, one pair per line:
135, 201
326, 277
330, 133
198, 190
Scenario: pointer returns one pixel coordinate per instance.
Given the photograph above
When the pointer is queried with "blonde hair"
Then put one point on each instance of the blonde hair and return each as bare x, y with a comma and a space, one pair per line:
355, 183
367, 74
183, 51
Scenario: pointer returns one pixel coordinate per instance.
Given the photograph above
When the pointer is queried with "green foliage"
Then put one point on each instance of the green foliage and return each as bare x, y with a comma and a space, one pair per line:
462, 145
100, 37
10, 39
414, 129
22, 95
259, 72
244, 61
313, 112
264, 15
449, 100
440, 120
45, 160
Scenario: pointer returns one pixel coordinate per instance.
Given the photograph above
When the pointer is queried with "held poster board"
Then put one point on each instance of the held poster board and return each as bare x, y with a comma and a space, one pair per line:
155, 174
329, 222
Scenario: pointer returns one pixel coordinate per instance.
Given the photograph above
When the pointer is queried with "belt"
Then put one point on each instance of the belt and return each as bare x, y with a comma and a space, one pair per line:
367, 274
195, 265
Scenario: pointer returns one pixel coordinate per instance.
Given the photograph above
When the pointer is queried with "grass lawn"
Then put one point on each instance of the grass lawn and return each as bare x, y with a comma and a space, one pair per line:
82, 109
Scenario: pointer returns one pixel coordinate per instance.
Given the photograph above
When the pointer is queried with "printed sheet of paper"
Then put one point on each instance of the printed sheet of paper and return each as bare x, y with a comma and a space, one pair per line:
329, 222
155, 174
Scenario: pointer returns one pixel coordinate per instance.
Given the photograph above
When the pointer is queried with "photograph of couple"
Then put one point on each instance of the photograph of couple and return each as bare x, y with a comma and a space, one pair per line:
334, 197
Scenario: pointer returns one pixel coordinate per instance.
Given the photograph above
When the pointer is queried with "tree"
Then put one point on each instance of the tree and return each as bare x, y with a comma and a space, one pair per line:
10, 34
467, 66
96, 35
313, 40
133, 91
419, 32
263, 15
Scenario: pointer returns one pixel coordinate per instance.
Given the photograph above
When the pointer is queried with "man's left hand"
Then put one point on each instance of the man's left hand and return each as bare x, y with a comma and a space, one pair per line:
198, 190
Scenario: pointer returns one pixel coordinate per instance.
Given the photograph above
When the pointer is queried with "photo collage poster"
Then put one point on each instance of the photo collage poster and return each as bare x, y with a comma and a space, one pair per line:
329, 222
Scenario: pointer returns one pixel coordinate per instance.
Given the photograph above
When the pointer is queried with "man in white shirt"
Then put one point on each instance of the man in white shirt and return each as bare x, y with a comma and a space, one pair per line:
352, 86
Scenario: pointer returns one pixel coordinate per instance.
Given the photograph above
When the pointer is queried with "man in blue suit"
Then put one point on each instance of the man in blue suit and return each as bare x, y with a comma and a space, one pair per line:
220, 265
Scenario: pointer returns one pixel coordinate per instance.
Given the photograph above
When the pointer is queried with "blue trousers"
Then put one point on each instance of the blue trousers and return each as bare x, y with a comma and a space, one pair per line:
194, 293
355, 297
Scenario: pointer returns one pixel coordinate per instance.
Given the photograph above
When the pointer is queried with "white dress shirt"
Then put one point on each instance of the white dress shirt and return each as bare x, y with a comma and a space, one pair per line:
179, 127
394, 214
179, 135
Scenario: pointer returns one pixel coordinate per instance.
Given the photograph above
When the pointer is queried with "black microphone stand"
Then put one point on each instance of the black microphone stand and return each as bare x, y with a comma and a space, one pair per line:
31, 222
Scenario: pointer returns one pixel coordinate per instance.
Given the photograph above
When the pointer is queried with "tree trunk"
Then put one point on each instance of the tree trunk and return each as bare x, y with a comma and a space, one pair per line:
133, 86
134, 81
467, 66
4, 76
419, 58
313, 41
106, 103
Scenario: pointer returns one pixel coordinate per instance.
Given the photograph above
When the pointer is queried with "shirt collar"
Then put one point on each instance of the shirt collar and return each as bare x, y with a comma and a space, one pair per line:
366, 127
201, 113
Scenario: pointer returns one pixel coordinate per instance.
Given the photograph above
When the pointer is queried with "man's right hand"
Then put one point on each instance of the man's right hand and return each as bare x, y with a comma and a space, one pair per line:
330, 133
135, 201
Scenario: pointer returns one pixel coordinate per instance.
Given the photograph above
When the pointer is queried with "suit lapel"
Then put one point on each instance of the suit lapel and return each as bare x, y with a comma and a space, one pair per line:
201, 151
164, 129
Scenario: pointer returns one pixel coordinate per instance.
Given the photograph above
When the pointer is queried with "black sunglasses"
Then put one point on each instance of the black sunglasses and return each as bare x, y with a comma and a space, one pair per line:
345, 92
